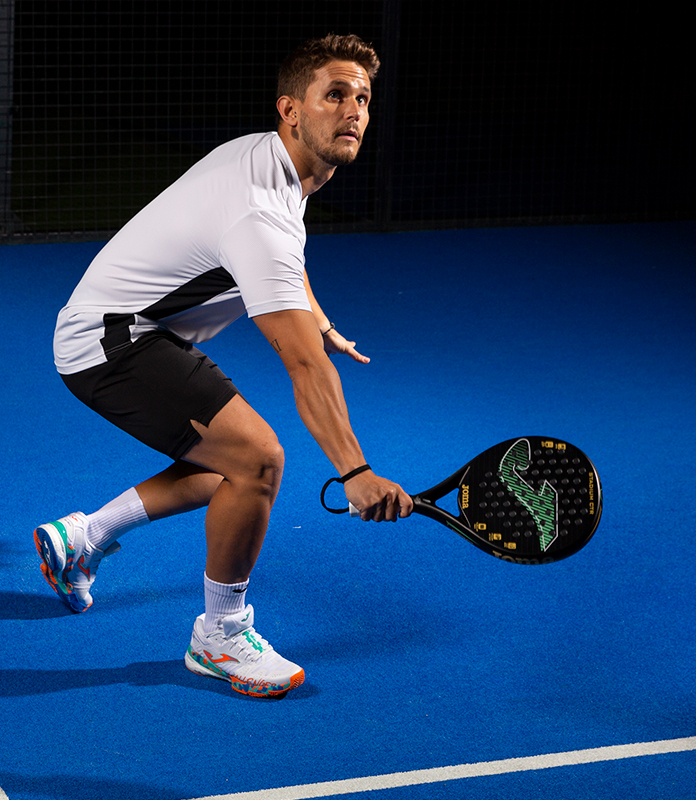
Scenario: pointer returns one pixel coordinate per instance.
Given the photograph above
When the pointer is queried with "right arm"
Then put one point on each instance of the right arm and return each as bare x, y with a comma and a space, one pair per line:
295, 336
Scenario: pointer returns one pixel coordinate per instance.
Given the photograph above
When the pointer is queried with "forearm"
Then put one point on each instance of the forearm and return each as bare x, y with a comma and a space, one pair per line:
322, 408
320, 403
317, 386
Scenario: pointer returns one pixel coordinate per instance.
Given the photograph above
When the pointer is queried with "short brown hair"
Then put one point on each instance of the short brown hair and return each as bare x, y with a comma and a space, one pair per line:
297, 72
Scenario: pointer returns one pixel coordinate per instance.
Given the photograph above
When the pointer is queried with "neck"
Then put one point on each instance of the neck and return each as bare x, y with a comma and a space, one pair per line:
313, 172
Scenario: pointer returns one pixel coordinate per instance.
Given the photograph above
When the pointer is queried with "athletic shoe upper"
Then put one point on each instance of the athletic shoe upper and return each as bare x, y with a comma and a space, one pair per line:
235, 652
69, 561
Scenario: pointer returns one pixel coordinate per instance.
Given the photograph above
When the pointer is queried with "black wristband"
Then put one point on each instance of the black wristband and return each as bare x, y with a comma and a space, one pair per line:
353, 473
345, 478
330, 328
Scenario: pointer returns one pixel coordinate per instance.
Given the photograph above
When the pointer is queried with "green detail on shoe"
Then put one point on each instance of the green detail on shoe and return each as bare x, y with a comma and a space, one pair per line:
63, 531
207, 663
541, 504
249, 636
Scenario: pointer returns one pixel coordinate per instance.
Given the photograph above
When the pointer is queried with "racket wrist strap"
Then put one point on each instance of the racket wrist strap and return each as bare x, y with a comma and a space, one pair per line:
353, 473
345, 478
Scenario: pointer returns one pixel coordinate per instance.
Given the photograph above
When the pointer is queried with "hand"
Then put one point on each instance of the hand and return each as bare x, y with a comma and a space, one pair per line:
335, 343
378, 499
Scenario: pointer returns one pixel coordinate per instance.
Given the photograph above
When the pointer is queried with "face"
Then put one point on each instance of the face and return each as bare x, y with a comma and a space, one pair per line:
333, 116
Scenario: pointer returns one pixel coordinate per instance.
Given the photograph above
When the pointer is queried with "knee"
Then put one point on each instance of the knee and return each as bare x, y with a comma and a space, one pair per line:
272, 457
263, 465
241, 447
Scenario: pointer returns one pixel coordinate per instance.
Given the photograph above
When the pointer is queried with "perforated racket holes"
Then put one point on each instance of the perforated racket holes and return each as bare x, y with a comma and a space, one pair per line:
513, 517
518, 534
545, 452
489, 496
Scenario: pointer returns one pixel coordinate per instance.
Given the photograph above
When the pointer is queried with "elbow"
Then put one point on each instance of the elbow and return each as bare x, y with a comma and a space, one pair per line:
310, 367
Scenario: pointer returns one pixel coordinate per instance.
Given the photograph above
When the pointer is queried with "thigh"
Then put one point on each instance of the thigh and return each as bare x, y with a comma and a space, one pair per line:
237, 441
154, 389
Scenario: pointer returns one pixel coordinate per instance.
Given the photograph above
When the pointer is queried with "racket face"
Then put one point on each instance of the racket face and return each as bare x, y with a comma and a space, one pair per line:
532, 500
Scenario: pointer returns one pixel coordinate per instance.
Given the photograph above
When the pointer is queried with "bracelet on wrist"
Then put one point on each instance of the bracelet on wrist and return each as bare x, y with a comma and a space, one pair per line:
330, 328
345, 478
353, 473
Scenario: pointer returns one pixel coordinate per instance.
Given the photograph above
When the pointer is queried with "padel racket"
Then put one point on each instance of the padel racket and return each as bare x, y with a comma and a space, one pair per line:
531, 500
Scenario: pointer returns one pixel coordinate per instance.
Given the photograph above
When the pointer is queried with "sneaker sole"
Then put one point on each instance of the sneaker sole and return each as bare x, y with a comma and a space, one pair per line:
51, 544
57, 562
251, 688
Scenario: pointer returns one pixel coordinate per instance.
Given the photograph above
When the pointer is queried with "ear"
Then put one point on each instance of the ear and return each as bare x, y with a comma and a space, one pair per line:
287, 109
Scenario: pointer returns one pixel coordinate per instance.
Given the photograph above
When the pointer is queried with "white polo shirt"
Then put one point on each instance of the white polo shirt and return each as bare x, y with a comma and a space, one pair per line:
225, 239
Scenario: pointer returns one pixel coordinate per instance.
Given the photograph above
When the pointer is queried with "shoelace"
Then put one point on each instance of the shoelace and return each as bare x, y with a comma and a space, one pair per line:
252, 644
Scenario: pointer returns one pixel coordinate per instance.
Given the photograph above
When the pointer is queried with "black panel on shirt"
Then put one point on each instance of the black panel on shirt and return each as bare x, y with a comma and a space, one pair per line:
116, 333
197, 291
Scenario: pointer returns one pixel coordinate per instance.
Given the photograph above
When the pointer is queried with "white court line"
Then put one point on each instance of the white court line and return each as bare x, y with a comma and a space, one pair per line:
439, 774
421, 776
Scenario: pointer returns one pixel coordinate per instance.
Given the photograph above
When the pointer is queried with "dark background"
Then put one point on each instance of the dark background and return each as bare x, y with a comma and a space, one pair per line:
485, 112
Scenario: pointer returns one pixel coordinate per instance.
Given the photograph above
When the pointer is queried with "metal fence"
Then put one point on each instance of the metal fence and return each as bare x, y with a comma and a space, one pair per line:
485, 112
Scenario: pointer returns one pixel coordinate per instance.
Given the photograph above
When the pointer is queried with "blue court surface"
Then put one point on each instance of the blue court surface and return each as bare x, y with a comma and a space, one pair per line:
422, 654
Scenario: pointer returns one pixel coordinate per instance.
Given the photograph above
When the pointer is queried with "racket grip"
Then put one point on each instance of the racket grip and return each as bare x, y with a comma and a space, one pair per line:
353, 511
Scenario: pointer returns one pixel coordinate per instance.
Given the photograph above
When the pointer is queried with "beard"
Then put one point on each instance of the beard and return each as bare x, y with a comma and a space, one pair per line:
334, 153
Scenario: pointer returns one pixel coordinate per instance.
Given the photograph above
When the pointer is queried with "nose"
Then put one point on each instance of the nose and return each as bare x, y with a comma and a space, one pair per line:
354, 109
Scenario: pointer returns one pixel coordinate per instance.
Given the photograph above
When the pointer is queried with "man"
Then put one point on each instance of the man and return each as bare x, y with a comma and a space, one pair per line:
224, 239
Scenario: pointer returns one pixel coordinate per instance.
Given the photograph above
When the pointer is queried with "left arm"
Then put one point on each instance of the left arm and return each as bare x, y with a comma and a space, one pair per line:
333, 341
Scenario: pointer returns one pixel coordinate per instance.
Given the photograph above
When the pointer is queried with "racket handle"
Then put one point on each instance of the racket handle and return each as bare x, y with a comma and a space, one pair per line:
353, 511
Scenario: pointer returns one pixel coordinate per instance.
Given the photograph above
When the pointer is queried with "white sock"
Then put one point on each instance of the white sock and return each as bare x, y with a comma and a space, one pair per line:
222, 599
115, 518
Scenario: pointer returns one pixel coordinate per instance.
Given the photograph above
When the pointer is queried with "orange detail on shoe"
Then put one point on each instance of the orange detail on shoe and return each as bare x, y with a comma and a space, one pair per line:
223, 658
256, 688
297, 679
265, 688
80, 564
46, 572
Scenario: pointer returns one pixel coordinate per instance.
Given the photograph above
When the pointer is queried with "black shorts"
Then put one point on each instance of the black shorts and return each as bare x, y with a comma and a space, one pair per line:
153, 389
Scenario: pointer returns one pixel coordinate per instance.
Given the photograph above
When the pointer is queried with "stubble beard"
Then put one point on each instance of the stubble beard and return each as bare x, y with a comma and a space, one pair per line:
335, 155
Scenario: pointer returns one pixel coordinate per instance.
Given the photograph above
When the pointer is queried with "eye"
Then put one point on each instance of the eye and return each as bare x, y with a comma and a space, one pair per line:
334, 95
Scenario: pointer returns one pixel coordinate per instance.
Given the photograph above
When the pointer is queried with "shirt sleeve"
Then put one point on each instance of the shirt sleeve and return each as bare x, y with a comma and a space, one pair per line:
265, 256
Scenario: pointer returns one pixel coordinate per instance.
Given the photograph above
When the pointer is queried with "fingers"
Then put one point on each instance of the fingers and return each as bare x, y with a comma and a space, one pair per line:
386, 511
334, 342
405, 505
380, 500
353, 353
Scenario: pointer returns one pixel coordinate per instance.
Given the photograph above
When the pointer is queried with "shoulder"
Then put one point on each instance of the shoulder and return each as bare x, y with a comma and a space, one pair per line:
234, 153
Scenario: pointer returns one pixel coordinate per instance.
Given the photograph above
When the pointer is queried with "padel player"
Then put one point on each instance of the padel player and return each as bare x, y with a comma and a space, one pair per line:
225, 239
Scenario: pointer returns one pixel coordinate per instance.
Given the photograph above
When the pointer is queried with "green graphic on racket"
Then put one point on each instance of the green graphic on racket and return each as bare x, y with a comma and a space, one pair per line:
531, 500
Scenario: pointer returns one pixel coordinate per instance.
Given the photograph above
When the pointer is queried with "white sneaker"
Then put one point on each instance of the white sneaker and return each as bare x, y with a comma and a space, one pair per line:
69, 561
236, 653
